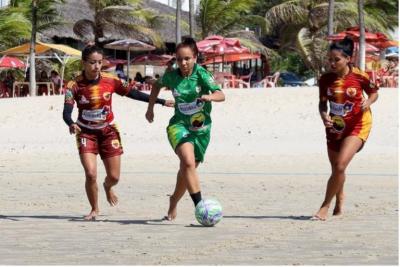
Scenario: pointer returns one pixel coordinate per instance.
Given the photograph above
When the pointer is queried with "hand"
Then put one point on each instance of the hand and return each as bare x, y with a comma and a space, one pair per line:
150, 115
365, 104
74, 129
326, 119
169, 103
206, 98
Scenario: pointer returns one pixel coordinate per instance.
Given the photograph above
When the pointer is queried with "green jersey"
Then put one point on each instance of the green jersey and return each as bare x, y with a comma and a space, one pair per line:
190, 111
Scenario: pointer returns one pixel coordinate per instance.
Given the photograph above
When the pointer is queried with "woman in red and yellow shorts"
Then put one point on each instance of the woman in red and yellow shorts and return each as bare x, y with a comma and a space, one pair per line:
349, 120
96, 132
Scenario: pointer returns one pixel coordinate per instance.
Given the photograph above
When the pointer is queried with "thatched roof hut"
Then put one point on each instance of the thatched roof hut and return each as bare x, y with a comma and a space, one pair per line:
249, 40
74, 10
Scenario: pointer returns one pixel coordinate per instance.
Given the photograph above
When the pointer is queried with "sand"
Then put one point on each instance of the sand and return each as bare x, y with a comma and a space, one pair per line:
266, 163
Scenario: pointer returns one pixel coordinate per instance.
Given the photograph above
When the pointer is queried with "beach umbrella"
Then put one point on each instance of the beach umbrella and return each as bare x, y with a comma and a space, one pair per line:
230, 58
151, 59
130, 45
216, 45
11, 63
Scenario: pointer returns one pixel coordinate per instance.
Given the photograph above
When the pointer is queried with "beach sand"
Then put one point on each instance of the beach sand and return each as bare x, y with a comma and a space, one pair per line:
266, 163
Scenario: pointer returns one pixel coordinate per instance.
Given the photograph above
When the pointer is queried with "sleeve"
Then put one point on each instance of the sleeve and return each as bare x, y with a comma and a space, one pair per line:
207, 81
121, 88
367, 85
69, 97
322, 84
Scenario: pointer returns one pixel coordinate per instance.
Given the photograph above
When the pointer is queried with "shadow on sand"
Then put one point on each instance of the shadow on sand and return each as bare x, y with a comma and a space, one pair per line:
297, 218
80, 219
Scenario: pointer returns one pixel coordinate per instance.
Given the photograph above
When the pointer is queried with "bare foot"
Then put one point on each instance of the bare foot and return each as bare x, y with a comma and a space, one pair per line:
111, 197
338, 210
91, 216
321, 215
172, 209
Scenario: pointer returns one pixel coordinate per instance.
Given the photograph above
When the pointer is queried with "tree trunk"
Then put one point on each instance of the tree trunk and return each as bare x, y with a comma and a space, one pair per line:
362, 35
32, 66
331, 12
191, 17
178, 22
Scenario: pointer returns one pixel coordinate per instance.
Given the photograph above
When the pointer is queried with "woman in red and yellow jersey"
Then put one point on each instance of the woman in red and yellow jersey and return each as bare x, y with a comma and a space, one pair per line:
95, 130
349, 120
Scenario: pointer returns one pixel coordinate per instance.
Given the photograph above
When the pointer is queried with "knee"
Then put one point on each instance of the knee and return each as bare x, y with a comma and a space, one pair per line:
113, 178
339, 167
91, 176
188, 164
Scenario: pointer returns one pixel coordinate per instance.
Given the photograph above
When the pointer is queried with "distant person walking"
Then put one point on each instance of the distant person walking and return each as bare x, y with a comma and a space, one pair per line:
349, 120
95, 129
189, 129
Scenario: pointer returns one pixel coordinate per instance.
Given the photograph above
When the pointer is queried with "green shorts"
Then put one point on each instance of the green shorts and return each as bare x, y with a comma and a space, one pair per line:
179, 134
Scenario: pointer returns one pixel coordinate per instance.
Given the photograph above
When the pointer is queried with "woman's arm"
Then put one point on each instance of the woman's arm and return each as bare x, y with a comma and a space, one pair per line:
216, 96
372, 97
323, 112
152, 100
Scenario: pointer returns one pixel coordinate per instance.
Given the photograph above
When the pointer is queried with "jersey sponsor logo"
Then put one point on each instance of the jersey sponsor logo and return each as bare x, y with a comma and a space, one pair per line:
175, 93
341, 109
338, 124
191, 108
83, 100
107, 96
96, 114
197, 121
115, 143
351, 91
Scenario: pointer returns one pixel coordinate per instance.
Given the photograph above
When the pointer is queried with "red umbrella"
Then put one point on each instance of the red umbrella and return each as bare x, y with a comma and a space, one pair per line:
231, 58
151, 59
11, 62
218, 45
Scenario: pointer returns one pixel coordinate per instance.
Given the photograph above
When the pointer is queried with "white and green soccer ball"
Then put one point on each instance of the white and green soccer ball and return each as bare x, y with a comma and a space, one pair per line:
208, 212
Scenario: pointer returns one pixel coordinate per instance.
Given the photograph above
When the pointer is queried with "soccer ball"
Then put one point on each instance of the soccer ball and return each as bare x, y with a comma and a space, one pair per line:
208, 212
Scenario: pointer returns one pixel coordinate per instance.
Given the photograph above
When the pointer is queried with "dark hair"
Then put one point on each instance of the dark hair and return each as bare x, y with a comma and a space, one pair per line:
189, 42
90, 49
119, 67
346, 46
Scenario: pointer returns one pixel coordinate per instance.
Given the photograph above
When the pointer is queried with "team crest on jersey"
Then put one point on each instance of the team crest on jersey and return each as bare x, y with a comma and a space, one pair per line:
372, 85
197, 121
115, 143
175, 93
338, 124
351, 91
83, 100
198, 89
107, 96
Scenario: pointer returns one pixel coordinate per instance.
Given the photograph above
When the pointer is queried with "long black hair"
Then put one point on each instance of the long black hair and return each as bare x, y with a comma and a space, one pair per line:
346, 46
189, 42
90, 49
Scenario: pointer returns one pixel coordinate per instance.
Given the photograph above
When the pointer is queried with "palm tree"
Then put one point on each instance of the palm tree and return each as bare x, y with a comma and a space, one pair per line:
14, 28
37, 15
301, 25
331, 12
122, 14
221, 17
361, 24
178, 19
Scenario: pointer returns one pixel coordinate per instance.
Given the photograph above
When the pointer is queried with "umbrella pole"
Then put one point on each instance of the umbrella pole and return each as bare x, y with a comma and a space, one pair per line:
129, 60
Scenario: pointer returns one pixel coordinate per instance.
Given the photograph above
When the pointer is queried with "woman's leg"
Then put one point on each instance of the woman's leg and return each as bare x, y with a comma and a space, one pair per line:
186, 178
348, 149
113, 170
89, 163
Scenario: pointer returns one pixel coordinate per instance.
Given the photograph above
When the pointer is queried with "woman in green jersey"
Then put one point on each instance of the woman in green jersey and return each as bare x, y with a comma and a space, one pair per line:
188, 131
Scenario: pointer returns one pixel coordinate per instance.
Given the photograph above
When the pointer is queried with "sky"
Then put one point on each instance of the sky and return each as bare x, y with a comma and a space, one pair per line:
185, 3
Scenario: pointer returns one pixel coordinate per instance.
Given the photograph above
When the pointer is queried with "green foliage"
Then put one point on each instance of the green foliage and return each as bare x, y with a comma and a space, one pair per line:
220, 17
290, 61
